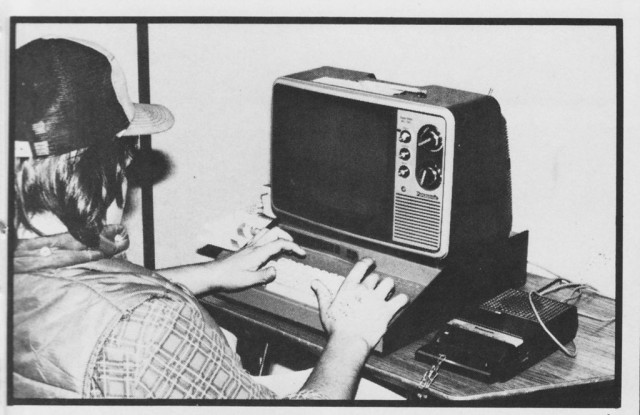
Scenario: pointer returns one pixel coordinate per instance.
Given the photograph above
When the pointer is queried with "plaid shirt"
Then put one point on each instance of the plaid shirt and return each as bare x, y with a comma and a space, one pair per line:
164, 349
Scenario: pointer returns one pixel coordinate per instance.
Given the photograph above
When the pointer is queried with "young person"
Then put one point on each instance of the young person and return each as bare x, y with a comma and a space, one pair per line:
89, 324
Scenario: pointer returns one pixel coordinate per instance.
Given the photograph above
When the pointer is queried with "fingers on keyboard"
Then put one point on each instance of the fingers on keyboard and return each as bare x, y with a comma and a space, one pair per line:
385, 288
281, 245
358, 271
371, 281
397, 302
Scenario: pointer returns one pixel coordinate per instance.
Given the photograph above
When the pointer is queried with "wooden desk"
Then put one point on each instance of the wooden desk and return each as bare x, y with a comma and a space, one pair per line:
594, 364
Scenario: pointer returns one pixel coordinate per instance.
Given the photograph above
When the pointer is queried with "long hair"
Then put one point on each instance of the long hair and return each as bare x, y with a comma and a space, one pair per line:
77, 187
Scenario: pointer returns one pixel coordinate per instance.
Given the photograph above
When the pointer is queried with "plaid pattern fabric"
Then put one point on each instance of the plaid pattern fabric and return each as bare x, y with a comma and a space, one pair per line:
164, 349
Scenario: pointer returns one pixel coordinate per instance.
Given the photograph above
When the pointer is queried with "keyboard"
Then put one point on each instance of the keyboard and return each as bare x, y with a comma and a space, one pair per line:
450, 287
293, 281
290, 295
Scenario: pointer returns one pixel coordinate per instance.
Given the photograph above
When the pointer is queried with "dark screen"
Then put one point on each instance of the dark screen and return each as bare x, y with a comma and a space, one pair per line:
333, 161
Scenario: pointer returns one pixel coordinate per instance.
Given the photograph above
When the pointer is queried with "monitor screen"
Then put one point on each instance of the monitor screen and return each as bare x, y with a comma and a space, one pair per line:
331, 161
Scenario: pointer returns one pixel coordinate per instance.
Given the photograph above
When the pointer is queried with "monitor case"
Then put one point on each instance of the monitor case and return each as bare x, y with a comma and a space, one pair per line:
476, 197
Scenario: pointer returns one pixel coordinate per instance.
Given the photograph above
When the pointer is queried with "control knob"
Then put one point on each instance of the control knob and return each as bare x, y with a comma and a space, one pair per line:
428, 177
405, 136
429, 138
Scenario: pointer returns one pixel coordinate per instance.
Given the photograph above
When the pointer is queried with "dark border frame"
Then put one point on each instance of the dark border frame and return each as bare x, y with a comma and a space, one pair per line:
147, 194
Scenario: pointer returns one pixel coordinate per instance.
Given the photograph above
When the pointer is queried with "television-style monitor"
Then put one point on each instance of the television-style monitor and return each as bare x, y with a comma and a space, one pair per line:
418, 171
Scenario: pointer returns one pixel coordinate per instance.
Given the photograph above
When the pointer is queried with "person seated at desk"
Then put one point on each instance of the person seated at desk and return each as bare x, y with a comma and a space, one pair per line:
89, 324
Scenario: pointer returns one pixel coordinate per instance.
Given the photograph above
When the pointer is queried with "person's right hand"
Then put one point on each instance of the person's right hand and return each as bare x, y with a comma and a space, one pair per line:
360, 309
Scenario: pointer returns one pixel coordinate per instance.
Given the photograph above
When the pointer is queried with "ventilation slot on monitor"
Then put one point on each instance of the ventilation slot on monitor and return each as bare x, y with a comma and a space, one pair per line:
416, 221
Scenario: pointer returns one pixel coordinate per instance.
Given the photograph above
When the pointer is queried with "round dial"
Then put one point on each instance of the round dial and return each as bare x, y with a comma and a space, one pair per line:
428, 177
404, 154
403, 171
429, 138
405, 136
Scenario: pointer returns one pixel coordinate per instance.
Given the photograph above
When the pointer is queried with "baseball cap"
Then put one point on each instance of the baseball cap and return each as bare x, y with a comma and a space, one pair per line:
71, 94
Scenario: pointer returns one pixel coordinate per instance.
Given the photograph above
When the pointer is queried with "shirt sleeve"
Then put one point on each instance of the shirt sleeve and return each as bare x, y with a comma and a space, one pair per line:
165, 350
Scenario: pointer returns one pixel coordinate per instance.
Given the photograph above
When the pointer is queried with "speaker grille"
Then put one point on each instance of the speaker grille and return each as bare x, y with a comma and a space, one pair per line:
417, 221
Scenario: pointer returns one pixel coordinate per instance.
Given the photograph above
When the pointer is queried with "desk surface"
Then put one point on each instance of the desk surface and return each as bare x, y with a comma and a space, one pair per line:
595, 362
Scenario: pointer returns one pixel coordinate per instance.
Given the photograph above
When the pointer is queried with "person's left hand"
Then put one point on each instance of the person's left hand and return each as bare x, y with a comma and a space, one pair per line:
242, 269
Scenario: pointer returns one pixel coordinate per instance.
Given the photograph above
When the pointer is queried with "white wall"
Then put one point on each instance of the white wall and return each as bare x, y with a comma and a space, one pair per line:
121, 40
556, 87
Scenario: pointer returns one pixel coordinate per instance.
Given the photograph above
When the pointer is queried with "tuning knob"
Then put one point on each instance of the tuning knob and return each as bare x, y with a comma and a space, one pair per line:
403, 172
404, 154
428, 177
429, 138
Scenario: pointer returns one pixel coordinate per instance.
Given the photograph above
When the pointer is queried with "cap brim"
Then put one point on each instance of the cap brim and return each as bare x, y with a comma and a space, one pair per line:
149, 119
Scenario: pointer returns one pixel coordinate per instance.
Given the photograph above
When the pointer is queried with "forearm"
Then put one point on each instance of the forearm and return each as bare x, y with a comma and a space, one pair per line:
337, 373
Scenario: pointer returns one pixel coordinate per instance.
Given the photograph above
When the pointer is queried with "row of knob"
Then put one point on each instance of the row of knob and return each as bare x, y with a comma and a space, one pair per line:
429, 146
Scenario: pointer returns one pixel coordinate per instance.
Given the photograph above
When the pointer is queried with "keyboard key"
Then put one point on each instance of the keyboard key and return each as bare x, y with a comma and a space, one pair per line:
293, 281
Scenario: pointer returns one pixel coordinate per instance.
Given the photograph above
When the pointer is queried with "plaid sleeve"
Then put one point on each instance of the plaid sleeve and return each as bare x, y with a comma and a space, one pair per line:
164, 349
